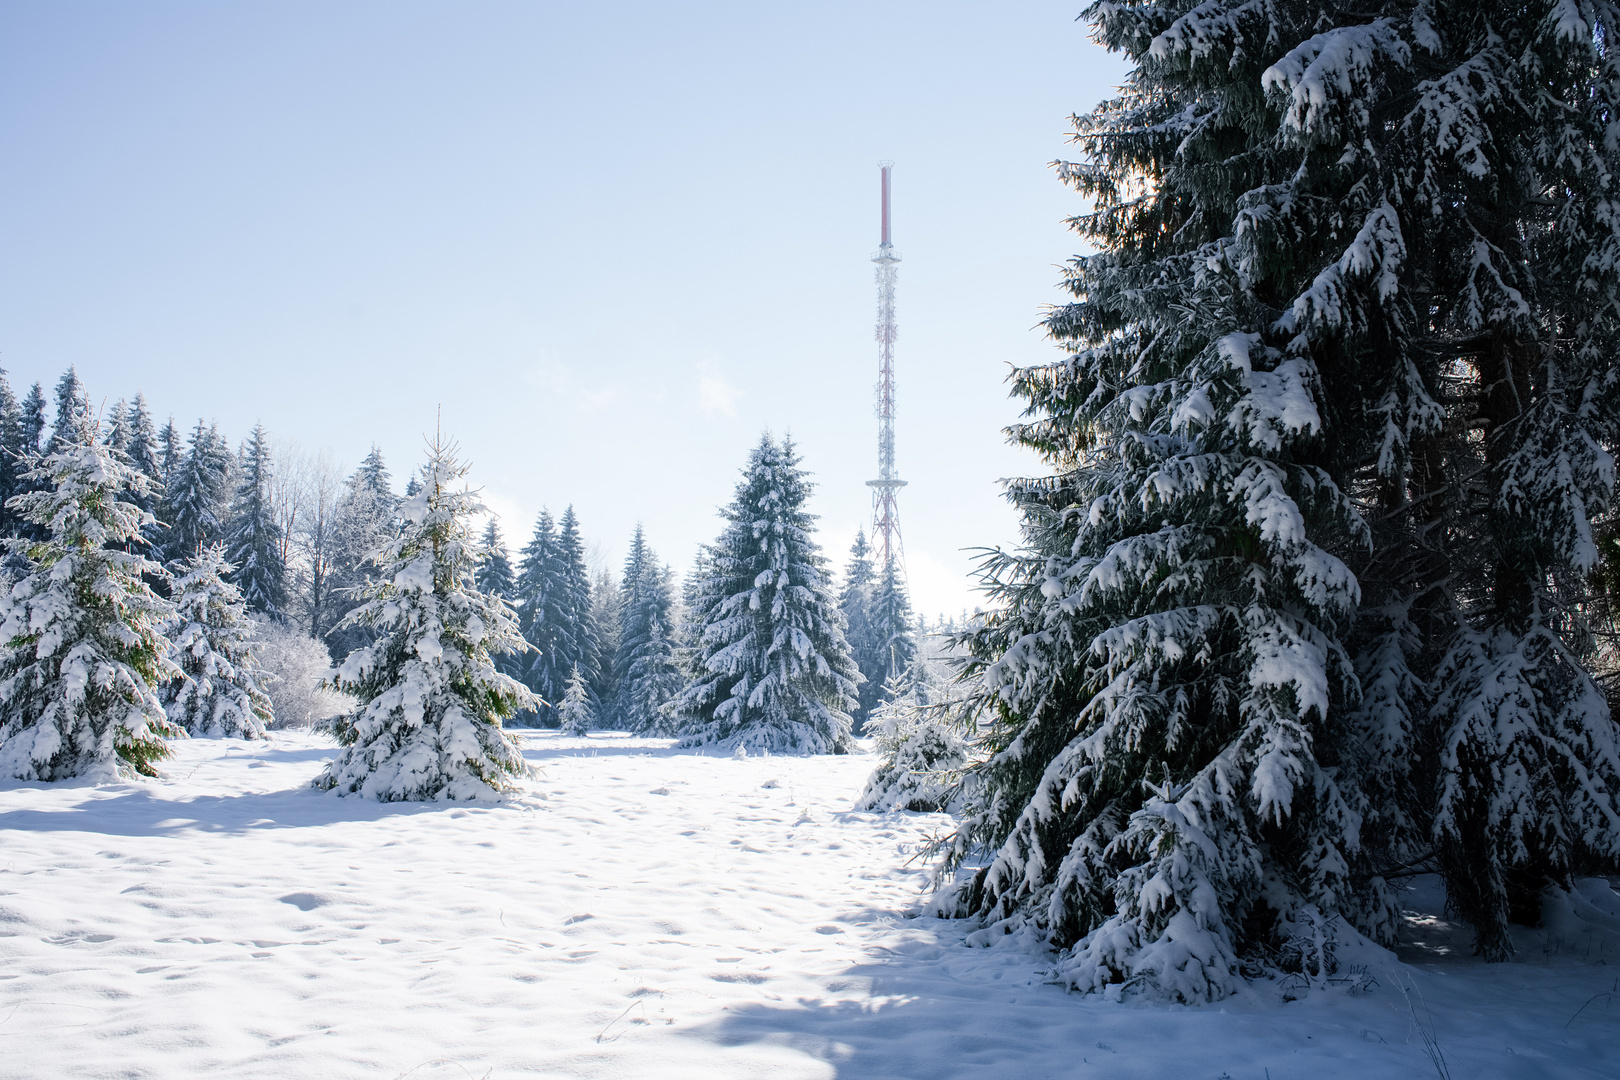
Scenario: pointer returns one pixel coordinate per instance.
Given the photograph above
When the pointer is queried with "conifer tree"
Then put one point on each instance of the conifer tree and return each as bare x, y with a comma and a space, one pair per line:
774, 670
193, 505
574, 714
497, 578
537, 597
220, 690
645, 669
865, 645
921, 749
252, 536
1325, 239
892, 622
117, 426
84, 637
580, 644
142, 441
364, 520
12, 456
28, 441
431, 702
171, 452
607, 604
495, 572
73, 423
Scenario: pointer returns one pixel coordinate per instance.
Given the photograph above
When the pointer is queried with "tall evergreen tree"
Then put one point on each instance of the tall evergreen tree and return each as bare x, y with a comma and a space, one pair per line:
171, 453
1319, 232
539, 606
73, 422
431, 703
774, 671
645, 671
85, 648
495, 575
363, 521
142, 440
194, 505
607, 603
33, 420
865, 643
117, 428
12, 456
581, 647
220, 689
252, 536
29, 442
893, 622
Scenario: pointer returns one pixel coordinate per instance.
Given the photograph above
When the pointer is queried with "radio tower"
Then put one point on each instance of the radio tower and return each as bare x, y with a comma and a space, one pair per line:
885, 511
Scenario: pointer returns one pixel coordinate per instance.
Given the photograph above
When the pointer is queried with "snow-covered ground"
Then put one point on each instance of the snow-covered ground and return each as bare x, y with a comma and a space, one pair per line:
643, 913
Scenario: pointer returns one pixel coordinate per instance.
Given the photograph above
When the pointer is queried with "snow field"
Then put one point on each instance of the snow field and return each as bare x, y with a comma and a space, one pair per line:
642, 912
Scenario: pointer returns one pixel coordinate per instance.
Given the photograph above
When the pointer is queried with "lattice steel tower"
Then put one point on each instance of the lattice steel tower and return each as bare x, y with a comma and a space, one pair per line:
885, 509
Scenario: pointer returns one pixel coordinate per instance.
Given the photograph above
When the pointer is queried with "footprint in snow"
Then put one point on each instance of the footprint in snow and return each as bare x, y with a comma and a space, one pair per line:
829, 929
304, 901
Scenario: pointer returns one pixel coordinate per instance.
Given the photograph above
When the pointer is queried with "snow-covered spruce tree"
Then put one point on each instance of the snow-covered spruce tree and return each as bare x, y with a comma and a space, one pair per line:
605, 604
893, 621
84, 649
1520, 223
574, 715
220, 690
363, 521
774, 670
431, 702
74, 423
1369, 252
252, 536
865, 646
645, 668
538, 598
1177, 768
194, 506
579, 644
495, 573
917, 732
13, 455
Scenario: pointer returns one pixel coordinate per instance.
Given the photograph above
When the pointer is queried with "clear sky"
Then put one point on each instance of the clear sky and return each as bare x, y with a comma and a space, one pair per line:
613, 242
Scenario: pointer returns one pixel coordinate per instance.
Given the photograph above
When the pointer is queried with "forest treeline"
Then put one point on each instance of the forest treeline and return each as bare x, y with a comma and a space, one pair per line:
297, 539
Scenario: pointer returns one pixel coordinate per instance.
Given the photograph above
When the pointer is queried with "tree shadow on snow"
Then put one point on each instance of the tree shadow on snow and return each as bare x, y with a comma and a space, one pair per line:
153, 808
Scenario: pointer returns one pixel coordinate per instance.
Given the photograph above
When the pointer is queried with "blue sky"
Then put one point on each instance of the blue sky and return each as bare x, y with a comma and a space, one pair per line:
611, 242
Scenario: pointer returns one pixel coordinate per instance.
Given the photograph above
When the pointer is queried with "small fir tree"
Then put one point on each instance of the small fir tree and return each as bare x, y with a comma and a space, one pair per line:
220, 691
916, 732
774, 672
84, 648
431, 702
574, 714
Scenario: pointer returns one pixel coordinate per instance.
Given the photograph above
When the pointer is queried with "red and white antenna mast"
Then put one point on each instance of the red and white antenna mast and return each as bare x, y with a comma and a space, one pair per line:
885, 509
